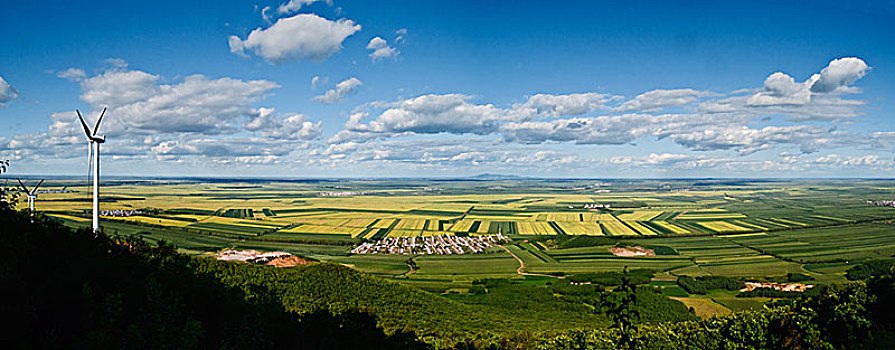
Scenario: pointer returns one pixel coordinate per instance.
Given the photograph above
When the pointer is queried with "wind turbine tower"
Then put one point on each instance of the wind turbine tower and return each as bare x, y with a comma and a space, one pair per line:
93, 143
31, 194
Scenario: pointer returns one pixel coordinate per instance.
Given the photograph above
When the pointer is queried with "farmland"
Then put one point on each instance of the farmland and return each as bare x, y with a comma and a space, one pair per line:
745, 229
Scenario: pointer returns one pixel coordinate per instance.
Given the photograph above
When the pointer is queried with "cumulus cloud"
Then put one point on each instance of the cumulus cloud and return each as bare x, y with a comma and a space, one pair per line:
839, 73
292, 127
195, 118
381, 49
401, 35
343, 88
550, 105
817, 98
303, 36
431, 114
198, 104
782, 89
7, 92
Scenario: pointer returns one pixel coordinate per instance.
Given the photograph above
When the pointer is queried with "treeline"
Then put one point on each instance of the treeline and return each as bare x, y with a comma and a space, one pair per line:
854, 316
613, 278
578, 241
868, 269
702, 284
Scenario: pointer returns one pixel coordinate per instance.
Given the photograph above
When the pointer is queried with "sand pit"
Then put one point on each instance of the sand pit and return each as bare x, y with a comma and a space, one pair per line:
288, 261
277, 259
632, 251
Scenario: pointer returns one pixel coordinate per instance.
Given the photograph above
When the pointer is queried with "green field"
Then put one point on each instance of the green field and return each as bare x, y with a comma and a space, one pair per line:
748, 229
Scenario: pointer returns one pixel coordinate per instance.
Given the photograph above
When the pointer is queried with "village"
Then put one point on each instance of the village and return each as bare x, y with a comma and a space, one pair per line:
430, 245
889, 203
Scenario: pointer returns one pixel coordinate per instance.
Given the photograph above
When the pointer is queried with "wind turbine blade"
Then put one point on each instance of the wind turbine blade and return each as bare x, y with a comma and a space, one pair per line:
89, 163
22, 185
84, 124
95, 128
38, 185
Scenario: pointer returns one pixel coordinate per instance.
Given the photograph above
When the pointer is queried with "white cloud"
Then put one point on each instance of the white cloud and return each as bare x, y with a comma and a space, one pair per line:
840, 73
781, 89
293, 6
344, 88
430, 114
817, 98
138, 104
401, 35
381, 49
7, 92
293, 127
303, 36
746, 140
550, 105
656, 100
265, 14
73, 74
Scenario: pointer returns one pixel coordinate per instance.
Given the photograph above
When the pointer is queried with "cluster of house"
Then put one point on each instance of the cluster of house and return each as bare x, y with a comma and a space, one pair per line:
249, 256
785, 287
430, 245
341, 194
119, 213
882, 203
596, 205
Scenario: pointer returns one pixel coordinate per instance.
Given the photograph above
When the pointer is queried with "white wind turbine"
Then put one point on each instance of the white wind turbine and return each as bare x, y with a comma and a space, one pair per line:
31, 194
93, 147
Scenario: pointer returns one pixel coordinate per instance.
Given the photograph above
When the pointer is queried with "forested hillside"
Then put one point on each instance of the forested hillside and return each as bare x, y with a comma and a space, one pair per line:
65, 289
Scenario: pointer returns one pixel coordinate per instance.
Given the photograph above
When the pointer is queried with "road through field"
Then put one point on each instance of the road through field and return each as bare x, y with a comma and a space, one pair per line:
522, 265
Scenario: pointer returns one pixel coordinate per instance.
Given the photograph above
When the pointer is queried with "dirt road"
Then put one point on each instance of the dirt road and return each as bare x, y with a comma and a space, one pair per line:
521, 268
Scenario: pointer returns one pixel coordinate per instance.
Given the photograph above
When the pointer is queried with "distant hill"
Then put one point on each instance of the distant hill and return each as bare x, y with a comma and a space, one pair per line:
490, 177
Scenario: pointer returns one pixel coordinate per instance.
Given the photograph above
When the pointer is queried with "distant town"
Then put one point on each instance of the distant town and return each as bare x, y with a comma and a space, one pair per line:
430, 245
890, 203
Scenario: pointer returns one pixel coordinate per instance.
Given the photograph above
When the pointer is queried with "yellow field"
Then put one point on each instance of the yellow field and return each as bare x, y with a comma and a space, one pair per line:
746, 224
722, 226
70, 217
241, 222
791, 222
534, 228
483, 227
318, 229
643, 230
703, 216
461, 226
411, 224
640, 215
151, 220
579, 228
672, 227
615, 227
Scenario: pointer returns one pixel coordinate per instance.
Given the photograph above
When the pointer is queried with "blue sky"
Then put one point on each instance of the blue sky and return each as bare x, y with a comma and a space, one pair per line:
408, 88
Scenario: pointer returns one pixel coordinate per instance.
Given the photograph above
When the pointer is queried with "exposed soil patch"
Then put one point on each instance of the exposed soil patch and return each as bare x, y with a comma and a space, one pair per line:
288, 261
632, 251
277, 259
